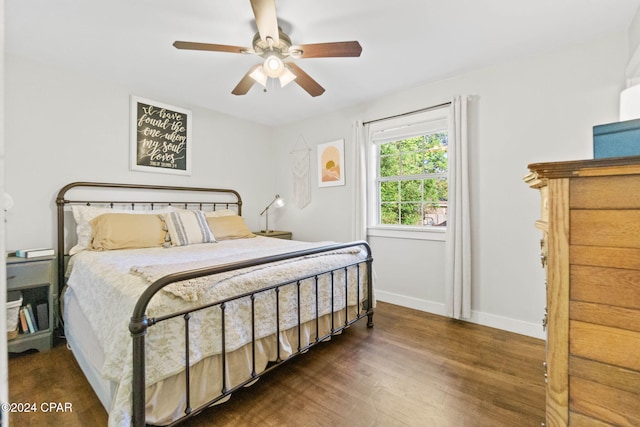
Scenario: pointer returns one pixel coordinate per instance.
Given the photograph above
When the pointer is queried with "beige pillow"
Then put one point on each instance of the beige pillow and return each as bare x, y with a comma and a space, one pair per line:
229, 227
125, 231
84, 214
220, 212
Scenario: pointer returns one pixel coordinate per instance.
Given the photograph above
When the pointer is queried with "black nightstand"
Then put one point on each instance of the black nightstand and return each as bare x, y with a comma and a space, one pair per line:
35, 278
273, 233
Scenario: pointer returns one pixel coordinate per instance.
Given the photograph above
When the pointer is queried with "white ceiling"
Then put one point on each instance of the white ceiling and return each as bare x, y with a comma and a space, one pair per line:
405, 43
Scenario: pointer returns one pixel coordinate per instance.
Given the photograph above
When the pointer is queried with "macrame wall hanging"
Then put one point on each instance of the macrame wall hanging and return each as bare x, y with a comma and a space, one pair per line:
300, 165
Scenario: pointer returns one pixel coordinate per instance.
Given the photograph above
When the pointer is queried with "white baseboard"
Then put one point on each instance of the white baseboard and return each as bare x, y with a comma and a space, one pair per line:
410, 302
491, 320
508, 324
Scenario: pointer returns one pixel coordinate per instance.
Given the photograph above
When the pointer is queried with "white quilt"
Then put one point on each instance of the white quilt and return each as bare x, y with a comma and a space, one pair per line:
107, 284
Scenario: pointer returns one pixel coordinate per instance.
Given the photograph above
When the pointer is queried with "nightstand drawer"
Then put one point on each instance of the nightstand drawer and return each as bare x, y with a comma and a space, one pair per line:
28, 274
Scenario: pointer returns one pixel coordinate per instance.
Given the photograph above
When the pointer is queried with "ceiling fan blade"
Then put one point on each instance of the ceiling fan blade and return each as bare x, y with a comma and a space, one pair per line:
211, 47
266, 19
327, 50
246, 83
305, 81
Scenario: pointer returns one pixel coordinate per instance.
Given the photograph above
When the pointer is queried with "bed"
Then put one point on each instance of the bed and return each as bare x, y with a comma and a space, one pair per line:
171, 304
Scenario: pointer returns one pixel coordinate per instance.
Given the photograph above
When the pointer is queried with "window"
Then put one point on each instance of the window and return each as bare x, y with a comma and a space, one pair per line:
410, 188
412, 181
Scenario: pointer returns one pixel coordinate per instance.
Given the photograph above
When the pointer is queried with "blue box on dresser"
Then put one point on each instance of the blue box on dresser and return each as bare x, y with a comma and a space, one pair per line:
618, 139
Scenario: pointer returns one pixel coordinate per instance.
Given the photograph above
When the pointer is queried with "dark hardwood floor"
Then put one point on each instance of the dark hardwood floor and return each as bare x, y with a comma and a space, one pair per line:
411, 369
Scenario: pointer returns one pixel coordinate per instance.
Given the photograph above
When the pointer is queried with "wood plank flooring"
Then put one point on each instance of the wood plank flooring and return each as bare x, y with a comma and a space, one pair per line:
411, 369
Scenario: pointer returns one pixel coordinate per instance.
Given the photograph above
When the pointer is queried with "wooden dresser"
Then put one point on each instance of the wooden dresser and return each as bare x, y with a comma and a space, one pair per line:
590, 220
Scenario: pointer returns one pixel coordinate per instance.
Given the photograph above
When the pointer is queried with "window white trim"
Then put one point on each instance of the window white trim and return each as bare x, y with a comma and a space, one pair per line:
406, 232
394, 129
431, 125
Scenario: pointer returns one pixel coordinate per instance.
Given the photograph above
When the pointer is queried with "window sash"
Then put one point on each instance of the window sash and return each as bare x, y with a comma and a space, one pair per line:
421, 205
412, 177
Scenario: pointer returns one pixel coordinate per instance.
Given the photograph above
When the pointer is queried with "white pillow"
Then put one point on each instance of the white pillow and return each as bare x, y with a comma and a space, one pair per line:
187, 227
84, 214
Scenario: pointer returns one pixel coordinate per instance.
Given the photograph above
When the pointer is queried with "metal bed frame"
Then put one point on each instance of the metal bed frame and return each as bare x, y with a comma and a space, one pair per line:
140, 323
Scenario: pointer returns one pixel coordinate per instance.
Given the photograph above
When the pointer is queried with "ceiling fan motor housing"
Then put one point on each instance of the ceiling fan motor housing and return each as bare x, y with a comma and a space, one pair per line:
265, 47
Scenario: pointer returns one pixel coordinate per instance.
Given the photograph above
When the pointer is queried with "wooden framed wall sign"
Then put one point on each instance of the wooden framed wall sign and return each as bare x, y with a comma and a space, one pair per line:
331, 163
160, 137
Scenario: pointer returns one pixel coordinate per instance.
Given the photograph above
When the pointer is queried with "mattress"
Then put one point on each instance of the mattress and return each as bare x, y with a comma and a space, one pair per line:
103, 288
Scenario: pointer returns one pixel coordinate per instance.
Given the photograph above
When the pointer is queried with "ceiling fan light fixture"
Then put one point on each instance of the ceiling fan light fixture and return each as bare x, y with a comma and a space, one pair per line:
259, 76
273, 66
286, 77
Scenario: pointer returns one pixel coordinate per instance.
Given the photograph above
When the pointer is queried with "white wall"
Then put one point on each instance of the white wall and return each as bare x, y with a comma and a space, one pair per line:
534, 109
64, 127
633, 67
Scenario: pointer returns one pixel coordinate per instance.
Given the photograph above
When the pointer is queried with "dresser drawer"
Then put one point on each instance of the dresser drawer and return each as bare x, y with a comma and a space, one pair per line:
27, 274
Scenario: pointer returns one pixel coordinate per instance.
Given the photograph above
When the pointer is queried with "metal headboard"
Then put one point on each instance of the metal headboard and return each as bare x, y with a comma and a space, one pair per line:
62, 200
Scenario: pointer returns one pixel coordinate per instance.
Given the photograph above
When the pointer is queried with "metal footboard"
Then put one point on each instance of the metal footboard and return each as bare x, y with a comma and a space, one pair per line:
140, 323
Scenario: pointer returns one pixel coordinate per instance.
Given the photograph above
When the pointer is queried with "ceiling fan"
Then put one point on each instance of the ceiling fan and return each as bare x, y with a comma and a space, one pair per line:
272, 44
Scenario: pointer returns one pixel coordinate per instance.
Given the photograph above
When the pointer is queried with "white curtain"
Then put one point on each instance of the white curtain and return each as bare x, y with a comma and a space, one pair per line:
458, 235
359, 225
360, 214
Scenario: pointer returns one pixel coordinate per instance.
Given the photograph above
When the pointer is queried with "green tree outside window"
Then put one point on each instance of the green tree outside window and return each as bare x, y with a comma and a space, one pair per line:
412, 181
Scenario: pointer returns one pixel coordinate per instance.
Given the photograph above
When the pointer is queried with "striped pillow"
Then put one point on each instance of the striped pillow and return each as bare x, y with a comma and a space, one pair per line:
187, 228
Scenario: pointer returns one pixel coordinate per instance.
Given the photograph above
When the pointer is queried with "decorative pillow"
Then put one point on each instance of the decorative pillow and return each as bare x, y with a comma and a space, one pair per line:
219, 213
229, 227
126, 231
187, 227
84, 214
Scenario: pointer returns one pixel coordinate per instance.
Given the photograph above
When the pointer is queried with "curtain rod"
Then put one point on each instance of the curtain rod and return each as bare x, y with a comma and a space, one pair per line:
421, 110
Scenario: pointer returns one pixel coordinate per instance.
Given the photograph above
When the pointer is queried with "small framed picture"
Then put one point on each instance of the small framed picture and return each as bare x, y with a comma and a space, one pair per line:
331, 163
160, 137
